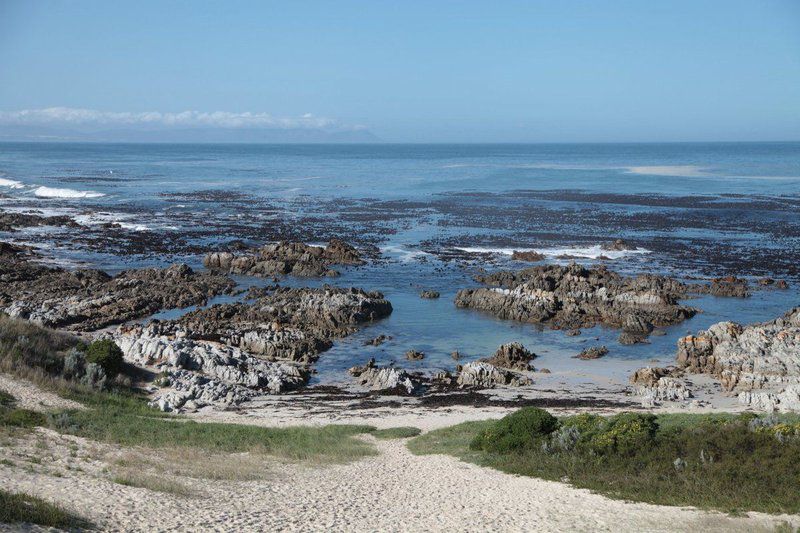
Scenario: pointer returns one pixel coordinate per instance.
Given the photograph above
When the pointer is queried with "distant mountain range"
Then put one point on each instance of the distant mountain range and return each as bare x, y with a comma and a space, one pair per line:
190, 135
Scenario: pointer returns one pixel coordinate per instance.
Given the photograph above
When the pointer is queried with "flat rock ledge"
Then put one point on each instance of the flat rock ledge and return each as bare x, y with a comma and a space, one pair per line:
573, 297
759, 361
285, 258
88, 299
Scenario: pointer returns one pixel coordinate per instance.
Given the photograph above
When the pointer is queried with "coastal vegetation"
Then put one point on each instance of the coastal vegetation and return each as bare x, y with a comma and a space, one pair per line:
725, 462
18, 507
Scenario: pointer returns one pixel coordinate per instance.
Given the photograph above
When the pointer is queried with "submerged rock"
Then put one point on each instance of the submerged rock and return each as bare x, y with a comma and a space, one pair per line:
530, 256
595, 352
618, 245
513, 356
429, 295
282, 258
729, 286
573, 297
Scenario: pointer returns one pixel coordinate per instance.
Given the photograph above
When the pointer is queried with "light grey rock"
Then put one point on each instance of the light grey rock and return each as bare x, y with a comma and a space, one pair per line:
385, 378
787, 399
484, 375
743, 358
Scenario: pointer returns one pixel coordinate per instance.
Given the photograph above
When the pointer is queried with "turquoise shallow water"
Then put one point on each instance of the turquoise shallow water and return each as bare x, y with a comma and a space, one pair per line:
694, 210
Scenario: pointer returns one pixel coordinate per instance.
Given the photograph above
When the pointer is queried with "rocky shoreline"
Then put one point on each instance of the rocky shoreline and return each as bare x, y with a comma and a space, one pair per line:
268, 339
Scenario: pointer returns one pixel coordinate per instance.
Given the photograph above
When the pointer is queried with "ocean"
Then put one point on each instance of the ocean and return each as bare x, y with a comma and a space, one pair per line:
430, 217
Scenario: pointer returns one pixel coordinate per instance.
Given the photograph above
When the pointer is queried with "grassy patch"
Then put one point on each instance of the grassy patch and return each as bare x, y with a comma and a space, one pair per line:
21, 418
128, 421
722, 462
155, 483
16, 508
403, 432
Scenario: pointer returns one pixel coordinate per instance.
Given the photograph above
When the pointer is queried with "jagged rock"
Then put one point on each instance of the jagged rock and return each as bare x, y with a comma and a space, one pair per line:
746, 357
512, 355
414, 355
649, 376
385, 379
572, 297
219, 369
787, 399
666, 390
377, 341
288, 323
429, 295
190, 391
88, 300
282, 258
455, 354
595, 352
527, 256
628, 338
618, 245
484, 375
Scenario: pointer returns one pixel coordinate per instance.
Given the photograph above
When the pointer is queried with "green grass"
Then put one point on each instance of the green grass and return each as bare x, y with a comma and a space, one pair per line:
155, 483
727, 466
126, 420
16, 508
403, 432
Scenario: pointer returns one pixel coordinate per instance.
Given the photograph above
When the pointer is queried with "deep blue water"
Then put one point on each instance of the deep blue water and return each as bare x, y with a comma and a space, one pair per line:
695, 208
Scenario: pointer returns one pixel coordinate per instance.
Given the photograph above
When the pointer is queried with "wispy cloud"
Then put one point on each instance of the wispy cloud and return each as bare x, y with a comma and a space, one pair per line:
68, 116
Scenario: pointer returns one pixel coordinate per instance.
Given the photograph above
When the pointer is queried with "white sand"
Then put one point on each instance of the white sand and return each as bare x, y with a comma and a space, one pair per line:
29, 396
393, 491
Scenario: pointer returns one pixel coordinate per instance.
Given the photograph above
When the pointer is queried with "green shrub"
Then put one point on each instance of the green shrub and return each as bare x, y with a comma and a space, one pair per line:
625, 434
518, 431
107, 355
21, 418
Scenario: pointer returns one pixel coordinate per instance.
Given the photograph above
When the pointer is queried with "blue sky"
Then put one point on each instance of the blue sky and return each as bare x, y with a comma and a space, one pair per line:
498, 71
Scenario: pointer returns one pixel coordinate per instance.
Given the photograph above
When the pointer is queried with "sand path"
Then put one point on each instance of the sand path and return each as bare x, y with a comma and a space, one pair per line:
394, 491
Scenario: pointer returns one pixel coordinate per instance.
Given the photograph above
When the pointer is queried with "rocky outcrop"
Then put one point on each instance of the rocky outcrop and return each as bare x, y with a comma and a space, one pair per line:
205, 372
573, 297
429, 295
746, 357
656, 385
595, 352
288, 323
87, 300
14, 221
283, 258
529, 256
385, 379
483, 375
787, 399
415, 355
513, 356
618, 245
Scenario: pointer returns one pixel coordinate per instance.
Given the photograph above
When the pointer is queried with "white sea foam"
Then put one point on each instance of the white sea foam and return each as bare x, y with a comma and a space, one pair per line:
51, 192
124, 221
403, 254
684, 171
11, 183
585, 252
